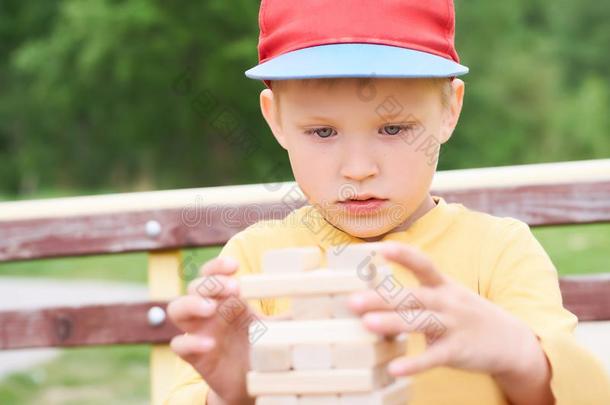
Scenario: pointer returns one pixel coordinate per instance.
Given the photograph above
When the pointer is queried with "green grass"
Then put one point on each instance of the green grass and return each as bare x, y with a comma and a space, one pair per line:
128, 267
577, 249
119, 375
92, 376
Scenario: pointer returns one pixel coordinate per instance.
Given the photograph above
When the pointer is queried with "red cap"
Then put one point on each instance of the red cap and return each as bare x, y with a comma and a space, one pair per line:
425, 26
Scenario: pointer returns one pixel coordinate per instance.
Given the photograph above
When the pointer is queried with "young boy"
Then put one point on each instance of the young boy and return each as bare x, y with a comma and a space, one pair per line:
361, 94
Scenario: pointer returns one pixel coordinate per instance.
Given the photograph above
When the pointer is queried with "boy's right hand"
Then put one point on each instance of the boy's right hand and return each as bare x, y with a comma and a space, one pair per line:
216, 346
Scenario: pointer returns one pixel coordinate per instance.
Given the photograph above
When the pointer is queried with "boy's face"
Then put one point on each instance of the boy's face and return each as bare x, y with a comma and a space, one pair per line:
350, 137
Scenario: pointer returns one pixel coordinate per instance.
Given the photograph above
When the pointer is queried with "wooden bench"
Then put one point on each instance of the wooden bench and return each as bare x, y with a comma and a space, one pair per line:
163, 222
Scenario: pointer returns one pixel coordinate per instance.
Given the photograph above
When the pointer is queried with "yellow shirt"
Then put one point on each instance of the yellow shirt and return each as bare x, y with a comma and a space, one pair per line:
498, 258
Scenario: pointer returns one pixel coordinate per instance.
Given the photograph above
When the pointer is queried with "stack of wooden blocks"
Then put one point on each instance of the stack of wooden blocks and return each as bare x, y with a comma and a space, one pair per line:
321, 354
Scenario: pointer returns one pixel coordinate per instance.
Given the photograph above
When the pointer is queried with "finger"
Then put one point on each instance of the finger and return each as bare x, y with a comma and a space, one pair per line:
187, 312
215, 285
226, 265
190, 347
415, 260
379, 299
390, 323
435, 356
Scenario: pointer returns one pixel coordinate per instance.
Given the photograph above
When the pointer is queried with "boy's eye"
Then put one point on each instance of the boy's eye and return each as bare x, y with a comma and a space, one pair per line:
325, 132
393, 129
321, 132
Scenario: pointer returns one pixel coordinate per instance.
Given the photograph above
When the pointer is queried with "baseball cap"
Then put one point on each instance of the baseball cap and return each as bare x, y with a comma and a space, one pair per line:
308, 39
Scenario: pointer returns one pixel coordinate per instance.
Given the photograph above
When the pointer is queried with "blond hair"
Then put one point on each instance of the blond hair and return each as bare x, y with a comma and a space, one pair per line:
443, 83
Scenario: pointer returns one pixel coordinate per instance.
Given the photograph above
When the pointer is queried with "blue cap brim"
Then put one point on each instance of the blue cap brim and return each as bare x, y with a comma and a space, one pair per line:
355, 60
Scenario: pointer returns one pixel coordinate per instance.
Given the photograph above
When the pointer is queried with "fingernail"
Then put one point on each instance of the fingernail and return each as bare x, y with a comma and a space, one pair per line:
395, 367
228, 261
206, 342
208, 306
356, 301
372, 319
389, 249
232, 285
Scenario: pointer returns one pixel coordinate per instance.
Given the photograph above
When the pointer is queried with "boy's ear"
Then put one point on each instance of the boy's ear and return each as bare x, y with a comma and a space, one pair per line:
451, 115
269, 110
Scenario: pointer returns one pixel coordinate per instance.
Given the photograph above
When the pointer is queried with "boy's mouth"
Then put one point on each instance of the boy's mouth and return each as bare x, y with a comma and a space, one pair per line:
362, 204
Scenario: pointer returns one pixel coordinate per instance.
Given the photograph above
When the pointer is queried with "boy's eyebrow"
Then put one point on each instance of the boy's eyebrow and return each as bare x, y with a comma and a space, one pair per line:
316, 118
306, 119
379, 119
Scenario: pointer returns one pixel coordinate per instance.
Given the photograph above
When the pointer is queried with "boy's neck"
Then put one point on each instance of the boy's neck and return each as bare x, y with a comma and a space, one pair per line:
423, 208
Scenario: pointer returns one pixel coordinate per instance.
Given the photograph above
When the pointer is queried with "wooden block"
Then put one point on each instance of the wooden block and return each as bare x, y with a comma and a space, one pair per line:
397, 393
275, 357
291, 259
355, 256
313, 331
313, 282
339, 308
277, 400
312, 307
362, 258
333, 381
367, 354
312, 356
318, 400
355, 399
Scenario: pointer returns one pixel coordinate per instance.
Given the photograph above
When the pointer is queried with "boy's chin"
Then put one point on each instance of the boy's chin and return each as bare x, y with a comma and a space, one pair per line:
366, 230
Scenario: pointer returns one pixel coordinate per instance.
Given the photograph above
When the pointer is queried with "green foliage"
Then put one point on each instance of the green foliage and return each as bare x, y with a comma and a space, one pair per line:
149, 94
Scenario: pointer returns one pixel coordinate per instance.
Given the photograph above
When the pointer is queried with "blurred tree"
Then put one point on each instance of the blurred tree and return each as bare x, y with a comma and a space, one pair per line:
144, 94
19, 23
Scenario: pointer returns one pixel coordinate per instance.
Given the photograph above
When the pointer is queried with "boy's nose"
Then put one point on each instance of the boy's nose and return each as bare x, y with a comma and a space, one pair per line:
358, 166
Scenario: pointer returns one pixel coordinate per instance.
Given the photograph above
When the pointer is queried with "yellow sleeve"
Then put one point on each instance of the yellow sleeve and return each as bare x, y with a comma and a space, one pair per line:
189, 388
525, 282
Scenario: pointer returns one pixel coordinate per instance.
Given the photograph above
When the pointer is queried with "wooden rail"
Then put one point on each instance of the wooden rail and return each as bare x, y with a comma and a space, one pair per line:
588, 297
542, 194
82, 326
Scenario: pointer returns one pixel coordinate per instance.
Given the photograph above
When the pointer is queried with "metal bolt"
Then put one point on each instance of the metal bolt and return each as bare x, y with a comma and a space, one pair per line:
156, 316
153, 228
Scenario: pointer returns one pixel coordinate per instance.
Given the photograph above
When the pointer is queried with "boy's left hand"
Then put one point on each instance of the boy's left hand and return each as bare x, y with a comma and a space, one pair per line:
463, 329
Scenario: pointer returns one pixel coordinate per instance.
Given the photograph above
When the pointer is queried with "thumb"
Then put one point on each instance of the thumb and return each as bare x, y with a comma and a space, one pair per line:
415, 260
435, 356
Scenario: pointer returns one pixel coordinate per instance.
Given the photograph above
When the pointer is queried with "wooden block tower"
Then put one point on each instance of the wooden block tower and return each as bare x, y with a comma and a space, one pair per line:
322, 354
